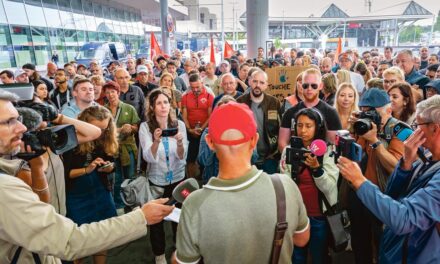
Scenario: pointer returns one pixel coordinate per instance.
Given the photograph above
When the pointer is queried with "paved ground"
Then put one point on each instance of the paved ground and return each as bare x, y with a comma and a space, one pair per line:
139, 251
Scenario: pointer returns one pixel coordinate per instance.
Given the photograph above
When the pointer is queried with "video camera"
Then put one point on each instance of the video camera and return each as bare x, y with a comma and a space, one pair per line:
295, 156
365, 121
59, 139
347, 147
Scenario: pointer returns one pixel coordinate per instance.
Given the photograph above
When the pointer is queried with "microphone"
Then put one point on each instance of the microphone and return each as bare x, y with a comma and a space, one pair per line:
183, 190
31, 118
318, 147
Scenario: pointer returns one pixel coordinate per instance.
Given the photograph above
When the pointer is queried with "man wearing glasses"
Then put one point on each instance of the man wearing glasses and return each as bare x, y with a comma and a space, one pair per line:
312, 85
30, 225
410, 205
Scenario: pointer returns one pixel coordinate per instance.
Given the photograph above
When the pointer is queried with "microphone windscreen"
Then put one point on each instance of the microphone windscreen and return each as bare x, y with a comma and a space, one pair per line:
184, 189
31, 118
318, 147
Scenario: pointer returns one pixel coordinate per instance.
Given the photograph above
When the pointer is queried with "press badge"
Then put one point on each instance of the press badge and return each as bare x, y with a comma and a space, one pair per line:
272, 115
169, 176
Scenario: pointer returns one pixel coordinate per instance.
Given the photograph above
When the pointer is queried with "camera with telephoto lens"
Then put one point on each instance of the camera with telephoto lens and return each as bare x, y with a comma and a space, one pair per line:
365, 122
295, 156
346, 146
59, 139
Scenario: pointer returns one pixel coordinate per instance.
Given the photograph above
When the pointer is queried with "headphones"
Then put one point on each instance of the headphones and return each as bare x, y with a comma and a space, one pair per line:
319, 122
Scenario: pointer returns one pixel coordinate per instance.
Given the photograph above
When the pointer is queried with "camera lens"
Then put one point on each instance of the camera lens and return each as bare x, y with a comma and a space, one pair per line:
362, 126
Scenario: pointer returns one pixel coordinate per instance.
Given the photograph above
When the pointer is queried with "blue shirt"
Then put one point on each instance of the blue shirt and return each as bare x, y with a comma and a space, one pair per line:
407, 211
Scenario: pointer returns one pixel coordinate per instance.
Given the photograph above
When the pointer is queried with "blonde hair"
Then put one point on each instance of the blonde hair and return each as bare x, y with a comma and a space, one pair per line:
343, 76
311, 71
395, 71
108, 140
166, 74
97, 80
342, 86
307, 60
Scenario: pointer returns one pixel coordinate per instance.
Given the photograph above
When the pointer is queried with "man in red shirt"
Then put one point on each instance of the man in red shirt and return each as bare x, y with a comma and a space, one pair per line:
196, 109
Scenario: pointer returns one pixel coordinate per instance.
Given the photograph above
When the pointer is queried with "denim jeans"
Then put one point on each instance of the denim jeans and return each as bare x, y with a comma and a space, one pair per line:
317, 243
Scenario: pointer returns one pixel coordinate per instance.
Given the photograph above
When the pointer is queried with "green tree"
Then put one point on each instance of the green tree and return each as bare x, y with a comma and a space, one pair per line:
277, 43
411, 34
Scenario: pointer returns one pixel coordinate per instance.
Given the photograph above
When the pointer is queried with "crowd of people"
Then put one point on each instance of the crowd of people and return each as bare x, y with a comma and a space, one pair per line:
177, 118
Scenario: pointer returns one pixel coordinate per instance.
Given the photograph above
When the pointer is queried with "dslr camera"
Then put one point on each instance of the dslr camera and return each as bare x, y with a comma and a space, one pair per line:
347, 147
365, 121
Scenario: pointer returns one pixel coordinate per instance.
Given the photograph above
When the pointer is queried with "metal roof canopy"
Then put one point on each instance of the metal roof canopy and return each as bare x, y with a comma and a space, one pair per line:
333, 17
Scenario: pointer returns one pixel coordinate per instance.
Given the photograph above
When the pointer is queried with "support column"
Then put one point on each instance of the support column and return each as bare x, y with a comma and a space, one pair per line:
257, 26
163, 23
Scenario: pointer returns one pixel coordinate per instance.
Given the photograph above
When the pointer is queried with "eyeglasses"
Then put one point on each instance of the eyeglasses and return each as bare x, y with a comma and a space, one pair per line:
307, 85
12, 122
389, 81
414, 125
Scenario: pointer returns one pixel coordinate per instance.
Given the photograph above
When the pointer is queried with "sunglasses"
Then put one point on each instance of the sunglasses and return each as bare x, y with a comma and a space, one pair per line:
307, 85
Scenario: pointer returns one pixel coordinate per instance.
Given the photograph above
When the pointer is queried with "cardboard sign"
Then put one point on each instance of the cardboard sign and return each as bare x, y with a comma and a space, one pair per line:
282, 80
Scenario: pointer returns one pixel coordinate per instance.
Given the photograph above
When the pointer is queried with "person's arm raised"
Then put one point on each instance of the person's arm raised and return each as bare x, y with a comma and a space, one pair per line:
85, 132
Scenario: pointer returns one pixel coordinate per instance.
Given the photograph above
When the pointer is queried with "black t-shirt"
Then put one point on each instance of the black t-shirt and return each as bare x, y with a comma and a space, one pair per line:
329, 114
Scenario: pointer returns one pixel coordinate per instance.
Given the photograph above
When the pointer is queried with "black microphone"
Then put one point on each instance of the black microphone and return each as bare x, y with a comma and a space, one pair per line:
182, 191
31, 118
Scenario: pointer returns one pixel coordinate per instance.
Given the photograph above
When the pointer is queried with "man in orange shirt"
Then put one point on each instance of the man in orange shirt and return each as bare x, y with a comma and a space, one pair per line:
383, 150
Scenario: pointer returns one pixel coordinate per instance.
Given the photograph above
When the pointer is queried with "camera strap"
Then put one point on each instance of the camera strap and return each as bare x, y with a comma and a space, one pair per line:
17, 255
282, 224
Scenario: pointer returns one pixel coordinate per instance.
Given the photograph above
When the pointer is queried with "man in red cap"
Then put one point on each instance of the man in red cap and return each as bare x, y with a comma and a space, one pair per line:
232, 218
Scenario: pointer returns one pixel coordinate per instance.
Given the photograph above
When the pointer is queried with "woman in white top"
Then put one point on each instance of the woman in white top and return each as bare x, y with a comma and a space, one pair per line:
165, 155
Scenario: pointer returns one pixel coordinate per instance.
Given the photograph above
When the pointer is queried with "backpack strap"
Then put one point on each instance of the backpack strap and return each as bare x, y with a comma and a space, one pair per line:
281, 226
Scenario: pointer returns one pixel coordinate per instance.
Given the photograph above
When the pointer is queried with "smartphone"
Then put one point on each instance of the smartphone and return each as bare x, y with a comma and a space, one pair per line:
402, 131
106, 165
169, 132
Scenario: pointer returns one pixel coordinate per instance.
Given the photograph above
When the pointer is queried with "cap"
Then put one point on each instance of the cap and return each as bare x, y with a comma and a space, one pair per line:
81, 66
19, 72
111, 85
224, 62
29, 66
232, 116
374, 97
434, 84
345, 55
142, 68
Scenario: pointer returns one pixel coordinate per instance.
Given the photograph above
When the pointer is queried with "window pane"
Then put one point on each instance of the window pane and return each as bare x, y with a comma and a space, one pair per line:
50, 9
82, 37
21, 40
78, 14
108, 23
41, 45
114, 17
92, 35
67, 20
2, 14
89, 16
57, 44
7, 59
16, 12
36, 18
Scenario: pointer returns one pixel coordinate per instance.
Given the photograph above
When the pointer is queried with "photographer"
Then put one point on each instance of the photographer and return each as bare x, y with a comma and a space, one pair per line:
373, 126
317, 176
28, 225
410, 207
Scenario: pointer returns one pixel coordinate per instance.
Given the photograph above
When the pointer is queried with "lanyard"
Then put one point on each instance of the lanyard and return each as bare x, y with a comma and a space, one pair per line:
169, 173
118, 113
58, 97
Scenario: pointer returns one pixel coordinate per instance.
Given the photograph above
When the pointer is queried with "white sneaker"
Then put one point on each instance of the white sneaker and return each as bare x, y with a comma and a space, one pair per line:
161, 259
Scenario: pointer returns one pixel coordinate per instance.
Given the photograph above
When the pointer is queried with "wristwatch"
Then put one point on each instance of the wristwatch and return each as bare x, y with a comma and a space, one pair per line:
376, 144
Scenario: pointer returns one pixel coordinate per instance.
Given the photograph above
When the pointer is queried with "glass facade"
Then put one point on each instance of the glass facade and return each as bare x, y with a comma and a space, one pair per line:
33, 30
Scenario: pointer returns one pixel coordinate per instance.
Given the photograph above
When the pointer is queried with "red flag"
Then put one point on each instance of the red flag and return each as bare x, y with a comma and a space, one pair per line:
338, 49
228, 52
154, 46
212, 57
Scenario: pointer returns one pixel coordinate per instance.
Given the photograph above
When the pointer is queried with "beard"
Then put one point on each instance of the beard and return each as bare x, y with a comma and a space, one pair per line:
256, 92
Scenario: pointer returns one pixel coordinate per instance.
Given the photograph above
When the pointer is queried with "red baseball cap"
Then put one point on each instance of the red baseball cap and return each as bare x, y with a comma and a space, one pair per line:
232, 116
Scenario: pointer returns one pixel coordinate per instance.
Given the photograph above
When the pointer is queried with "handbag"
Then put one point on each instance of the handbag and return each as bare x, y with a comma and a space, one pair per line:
137, 191
339, 225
